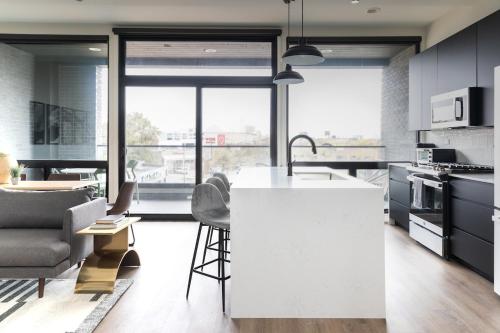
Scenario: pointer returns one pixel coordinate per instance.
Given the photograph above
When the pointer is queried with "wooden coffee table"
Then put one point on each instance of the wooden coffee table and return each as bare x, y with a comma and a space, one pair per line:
111, 251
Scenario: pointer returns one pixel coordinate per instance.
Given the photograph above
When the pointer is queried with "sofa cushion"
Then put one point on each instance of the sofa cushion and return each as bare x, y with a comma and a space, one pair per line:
28, 209
32, 248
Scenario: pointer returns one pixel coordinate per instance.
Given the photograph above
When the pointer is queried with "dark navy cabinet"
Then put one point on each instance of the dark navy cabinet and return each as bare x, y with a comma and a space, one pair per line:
488, 57
466, 59
456, 61
422, 85
399, 196
472, 233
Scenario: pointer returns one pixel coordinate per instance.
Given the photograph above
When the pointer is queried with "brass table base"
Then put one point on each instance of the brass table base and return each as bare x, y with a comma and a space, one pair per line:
99, 271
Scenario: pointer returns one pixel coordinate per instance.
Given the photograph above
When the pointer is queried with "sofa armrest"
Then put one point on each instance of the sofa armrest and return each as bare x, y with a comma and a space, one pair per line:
77, 218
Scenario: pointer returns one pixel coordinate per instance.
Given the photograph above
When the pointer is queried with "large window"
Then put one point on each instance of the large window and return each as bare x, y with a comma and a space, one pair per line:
355, 106
340, 108
193, 106
55, 103
236, 129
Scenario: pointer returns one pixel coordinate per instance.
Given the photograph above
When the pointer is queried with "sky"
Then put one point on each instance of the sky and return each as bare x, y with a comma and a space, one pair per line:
346, 102
224, 109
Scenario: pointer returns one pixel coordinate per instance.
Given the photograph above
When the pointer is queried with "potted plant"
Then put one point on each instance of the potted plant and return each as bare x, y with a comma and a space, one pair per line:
15, 174
6, 162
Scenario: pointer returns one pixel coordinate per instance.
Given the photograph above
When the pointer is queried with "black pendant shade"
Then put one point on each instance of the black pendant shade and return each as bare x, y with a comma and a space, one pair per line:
288, 77
303, 55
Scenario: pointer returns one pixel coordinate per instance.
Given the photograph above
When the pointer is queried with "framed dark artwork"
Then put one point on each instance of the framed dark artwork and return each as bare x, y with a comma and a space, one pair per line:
38, 119
67, 126
53, 124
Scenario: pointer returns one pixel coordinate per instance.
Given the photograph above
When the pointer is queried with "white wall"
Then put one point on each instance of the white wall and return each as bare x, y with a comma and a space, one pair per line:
16, 91
458, 19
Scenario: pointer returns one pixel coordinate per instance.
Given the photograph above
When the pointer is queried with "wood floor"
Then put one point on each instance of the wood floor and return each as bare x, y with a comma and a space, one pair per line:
424, 293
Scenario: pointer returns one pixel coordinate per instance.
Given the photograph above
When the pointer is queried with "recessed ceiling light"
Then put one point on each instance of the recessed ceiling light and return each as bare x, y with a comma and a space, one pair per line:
209, 50
326, 51
167, 45
95, 49
374, 10
354, 2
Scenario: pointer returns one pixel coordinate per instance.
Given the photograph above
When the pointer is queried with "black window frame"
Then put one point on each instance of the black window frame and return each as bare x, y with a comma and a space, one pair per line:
199, 82
47, 164
351, 166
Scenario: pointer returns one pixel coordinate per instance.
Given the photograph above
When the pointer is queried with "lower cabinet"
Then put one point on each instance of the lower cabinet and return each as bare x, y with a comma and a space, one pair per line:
399, 196
472, 233
400, 214
473, 251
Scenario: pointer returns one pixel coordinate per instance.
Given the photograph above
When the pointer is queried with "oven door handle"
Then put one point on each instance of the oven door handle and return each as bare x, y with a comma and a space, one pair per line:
427, 182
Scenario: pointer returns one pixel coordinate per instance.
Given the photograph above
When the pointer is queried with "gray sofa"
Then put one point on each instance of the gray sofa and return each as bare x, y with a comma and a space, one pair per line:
38, 232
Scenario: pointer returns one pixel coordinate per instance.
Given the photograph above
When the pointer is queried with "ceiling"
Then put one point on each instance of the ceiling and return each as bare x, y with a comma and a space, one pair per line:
201, 50
377, 51
410, 13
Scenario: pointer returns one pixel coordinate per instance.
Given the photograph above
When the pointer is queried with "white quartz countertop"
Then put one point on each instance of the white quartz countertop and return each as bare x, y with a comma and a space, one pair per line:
479, 177
306, 246
276, 177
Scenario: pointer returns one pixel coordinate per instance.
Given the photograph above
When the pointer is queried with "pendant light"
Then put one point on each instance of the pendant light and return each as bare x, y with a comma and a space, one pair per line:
303, 54
288, 76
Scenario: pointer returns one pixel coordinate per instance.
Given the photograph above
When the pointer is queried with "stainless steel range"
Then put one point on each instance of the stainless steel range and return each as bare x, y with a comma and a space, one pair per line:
429, 220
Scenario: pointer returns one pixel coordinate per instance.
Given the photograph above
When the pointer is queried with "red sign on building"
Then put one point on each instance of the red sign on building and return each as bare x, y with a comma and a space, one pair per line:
221, 139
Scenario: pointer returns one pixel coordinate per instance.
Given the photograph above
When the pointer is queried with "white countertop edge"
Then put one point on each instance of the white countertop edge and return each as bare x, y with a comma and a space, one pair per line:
276, 178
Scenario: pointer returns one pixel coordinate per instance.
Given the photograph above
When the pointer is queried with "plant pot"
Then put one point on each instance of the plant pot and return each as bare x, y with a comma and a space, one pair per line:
6, 162
15, 180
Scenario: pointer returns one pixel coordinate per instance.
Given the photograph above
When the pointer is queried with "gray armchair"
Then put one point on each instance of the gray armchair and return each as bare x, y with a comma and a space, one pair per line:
38, 232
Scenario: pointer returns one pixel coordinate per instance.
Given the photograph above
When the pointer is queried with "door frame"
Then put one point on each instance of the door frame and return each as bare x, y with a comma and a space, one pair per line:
198, 82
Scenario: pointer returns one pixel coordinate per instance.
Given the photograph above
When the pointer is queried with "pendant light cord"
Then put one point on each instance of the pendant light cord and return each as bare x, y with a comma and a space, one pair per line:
302, 19
288, 19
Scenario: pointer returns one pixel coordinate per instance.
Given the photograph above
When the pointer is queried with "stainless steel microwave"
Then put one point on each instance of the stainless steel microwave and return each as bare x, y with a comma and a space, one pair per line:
453, 109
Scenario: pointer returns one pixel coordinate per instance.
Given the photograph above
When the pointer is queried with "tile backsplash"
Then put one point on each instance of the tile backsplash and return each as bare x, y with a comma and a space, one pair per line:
473, 145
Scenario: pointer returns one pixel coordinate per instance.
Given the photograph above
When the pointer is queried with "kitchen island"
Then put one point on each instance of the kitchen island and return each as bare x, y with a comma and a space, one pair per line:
306, 246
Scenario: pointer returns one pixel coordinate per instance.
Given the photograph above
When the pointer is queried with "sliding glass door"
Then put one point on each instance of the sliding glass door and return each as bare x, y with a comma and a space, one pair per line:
236, 129
161, 140
160, 147
193, 103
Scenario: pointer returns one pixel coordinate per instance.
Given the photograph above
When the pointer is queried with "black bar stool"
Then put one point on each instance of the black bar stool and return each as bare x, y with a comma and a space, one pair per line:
210, 210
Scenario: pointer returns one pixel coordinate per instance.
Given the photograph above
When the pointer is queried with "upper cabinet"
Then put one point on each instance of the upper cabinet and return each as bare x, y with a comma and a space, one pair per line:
422, 85
456, 61
488, 57
466, 59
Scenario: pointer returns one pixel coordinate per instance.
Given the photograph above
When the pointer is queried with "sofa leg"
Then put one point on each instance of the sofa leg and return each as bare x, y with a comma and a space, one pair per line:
41, 286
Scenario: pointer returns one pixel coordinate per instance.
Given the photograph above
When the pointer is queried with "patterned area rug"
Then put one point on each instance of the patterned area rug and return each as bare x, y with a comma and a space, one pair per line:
60, 310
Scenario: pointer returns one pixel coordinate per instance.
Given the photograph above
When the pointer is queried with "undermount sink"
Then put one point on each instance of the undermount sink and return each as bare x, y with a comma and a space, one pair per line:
304, 175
